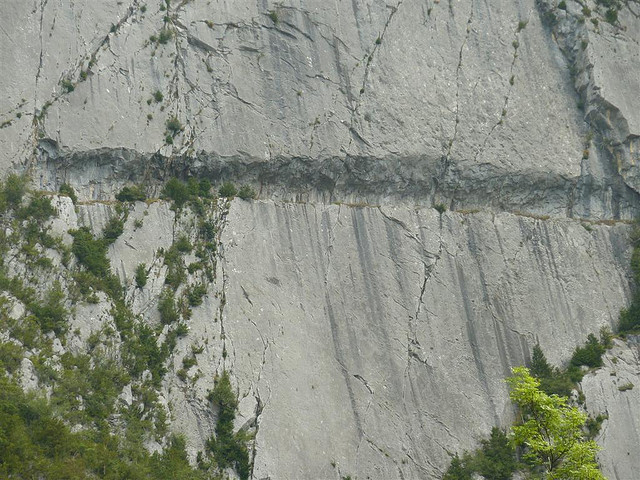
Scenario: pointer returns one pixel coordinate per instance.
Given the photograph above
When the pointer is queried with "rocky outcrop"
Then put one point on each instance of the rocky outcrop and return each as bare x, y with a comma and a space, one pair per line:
469, 103
367, 334
612, 391
374, 341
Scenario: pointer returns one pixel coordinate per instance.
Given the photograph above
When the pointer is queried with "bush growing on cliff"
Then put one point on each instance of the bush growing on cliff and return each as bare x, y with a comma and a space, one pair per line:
589, 355
91, 252
167, 307
12, 191
228, 449
176, 191
141, 275
228, 190
630, 316
66, 189
112, 230
246, 192
495, 459
134, 193
35, 443
39, 209
551, 431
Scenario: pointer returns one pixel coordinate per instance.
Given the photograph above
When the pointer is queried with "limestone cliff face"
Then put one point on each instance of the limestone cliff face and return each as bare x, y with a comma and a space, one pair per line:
510, 105
375, 339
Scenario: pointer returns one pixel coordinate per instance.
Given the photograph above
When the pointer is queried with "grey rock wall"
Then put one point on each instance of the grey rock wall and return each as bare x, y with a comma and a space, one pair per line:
469, 103
379, 338
374, 341
363, 341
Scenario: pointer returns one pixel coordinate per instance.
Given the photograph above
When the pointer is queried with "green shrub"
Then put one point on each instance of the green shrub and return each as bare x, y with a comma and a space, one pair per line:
195, 294
176, 269
91, 253
134, 193
589, 355
112, 230
183, 245
228, 449
66, 189
458, 470
188, 362
539, 366
606, 337
204, 188
552, 379
51, 314
167, 307
440, 207
157, 96
562, 5
497, 458
611, 16
68, 85
14, 188
164, 36
228, 190
38, 209
594, 424
176, 191
141, 275
11, 355
630, 316
246, 192
174, 126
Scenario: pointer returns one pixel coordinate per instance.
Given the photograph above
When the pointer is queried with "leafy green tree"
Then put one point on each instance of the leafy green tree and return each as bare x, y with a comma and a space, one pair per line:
551, 431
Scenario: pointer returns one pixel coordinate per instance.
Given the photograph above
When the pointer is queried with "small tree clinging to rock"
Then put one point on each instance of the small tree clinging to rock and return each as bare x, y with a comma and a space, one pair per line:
551, 431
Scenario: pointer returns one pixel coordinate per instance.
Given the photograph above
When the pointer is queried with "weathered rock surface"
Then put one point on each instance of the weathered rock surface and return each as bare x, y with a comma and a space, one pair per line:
614, 391
378, 339
469, 103
375, 339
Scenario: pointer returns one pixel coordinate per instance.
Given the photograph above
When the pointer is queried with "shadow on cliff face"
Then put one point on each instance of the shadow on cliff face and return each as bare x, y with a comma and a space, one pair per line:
101, 173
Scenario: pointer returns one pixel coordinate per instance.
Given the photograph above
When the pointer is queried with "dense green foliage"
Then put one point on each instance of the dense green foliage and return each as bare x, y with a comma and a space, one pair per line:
167, 307
228, 189
84, 388
11, 192
228, 449
112, 230
246, 192
39, 209
66, 189
561, 382
630, 316
193, 191
91, 252
141, 275
551, 431
458, 470
589, 355
34, 443
495, 459
51, 314
134, 193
